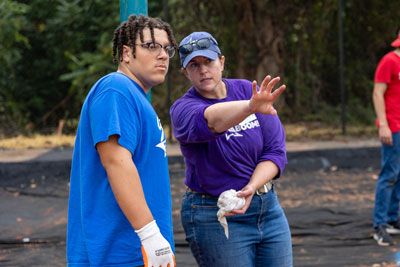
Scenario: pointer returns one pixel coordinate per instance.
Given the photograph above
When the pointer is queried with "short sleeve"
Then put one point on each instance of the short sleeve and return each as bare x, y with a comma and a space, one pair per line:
111, 113
384, 71
274, 148
190, 126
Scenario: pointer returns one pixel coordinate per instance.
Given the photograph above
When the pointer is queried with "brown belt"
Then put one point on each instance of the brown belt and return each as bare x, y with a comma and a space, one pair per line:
262, 190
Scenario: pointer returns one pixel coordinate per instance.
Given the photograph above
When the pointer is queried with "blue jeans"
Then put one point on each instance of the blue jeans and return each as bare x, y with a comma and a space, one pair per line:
260, 237
387, 193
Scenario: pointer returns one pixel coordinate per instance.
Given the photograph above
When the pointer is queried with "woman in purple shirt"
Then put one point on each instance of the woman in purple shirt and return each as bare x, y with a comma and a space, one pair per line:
231, 138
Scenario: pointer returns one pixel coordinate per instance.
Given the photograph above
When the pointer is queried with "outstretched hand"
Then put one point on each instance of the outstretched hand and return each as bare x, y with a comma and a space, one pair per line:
262, 100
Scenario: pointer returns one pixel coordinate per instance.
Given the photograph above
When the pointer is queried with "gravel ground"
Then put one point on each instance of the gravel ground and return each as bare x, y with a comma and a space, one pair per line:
329, 209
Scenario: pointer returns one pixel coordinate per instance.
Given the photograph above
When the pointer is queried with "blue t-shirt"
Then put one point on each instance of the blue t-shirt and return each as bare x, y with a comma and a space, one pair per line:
219, 162
98, 233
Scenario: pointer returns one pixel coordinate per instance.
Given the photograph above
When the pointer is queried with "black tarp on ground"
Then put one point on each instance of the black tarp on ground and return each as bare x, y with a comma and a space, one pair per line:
327, 196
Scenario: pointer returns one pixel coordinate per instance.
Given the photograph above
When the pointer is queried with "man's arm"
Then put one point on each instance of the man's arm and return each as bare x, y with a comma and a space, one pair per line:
127, 188
385, 134
125, 182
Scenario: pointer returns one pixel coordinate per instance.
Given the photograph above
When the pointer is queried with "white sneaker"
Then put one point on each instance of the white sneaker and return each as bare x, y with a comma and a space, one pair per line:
393, 228
382, 237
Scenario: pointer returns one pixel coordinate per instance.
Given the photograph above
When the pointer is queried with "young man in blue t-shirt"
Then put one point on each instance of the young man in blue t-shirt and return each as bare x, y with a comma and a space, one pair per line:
120, 199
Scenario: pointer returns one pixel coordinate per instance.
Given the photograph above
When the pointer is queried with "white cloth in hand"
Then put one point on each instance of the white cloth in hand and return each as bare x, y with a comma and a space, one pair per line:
227, 202
155, 248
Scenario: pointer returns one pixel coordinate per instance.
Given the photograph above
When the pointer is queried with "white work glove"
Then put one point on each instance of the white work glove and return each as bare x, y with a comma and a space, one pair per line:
227, 202
155, 248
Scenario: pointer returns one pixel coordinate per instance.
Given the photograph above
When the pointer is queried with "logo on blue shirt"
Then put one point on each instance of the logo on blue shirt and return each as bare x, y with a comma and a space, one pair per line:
163, 141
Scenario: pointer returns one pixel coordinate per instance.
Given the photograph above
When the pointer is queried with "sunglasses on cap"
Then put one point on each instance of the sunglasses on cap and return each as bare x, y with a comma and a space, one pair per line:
201, 44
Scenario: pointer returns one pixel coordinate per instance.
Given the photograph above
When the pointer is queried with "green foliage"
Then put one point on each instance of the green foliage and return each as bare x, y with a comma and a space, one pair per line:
309, 48
12, 21
52, 52
88, 67
64, 36
12, 44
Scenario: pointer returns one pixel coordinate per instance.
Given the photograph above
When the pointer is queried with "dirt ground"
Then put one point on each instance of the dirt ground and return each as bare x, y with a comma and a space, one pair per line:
329, 211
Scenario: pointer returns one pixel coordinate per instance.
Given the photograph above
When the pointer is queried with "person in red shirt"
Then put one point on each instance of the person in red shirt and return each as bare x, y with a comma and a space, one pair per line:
386, 99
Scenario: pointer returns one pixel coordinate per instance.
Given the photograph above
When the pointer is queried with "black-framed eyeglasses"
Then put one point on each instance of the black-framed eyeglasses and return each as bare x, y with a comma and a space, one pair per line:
155, 48
201, 44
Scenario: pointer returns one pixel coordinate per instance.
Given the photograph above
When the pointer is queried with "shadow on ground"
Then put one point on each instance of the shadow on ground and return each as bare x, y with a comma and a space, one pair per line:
327, 196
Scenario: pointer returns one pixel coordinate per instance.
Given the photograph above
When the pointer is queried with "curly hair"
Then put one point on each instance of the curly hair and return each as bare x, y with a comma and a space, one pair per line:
126, 33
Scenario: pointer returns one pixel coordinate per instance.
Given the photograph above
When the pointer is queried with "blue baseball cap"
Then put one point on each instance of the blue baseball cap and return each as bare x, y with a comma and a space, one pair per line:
211, 52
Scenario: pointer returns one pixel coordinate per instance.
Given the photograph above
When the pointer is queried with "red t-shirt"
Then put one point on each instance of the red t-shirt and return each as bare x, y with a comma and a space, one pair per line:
388, 71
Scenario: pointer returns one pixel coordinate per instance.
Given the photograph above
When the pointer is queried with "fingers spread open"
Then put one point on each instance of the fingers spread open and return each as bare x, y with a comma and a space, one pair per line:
272, 83
279, 91
265, 81
254, 86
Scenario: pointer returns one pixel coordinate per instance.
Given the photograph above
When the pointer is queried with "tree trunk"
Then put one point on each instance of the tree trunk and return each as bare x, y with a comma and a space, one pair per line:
266, 37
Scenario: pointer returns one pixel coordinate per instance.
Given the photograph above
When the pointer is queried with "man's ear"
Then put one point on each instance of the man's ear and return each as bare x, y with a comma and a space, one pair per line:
126, 53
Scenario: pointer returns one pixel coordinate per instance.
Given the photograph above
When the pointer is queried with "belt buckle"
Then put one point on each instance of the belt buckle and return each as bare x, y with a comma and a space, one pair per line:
264, 189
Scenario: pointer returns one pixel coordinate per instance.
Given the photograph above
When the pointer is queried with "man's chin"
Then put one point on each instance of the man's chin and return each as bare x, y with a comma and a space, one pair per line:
158, 81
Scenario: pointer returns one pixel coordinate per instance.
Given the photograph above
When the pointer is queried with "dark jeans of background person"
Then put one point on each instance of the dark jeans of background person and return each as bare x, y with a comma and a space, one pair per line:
387, 194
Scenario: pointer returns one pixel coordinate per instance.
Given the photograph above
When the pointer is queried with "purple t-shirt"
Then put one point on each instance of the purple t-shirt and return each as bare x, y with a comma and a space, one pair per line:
219, 162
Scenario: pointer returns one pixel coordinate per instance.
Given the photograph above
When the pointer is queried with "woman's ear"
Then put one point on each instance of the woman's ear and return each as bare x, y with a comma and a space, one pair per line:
222, 59
184, 72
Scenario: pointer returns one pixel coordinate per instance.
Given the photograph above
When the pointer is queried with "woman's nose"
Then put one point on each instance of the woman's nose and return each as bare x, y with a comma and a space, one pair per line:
203, 68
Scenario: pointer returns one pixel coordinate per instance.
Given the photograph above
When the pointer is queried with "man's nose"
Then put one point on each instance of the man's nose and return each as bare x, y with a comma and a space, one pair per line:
163, 53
